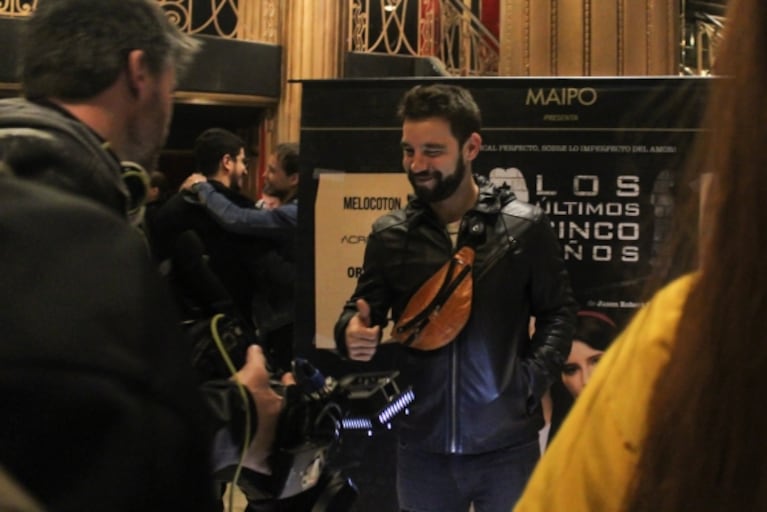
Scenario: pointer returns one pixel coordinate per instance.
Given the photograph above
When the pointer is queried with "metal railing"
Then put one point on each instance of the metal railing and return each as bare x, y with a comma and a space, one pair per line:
468, 47
251, 20
445, 29
220, 18
702, 38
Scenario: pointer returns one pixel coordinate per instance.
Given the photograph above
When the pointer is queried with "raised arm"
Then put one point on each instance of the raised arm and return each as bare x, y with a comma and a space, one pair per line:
244, 221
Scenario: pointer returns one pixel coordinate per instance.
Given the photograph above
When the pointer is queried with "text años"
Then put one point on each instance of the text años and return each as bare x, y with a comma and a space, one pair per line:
594, 230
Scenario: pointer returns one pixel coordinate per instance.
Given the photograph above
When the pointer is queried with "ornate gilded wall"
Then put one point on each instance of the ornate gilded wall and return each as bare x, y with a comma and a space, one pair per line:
589, 37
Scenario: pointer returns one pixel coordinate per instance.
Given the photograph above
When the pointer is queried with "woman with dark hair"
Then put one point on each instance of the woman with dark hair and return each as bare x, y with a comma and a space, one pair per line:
594, 332
671, 419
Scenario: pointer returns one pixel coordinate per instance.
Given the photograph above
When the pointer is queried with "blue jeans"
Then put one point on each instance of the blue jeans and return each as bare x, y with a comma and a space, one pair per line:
434, 482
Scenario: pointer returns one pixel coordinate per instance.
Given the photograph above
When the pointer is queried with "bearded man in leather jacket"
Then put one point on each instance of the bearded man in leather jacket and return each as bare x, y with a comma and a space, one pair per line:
100, 408
472, 435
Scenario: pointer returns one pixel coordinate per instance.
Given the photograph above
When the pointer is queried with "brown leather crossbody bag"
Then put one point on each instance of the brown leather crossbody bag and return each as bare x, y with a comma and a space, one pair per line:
440, 308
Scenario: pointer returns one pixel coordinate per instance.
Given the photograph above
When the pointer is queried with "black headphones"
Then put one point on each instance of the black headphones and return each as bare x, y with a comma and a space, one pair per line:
136, 179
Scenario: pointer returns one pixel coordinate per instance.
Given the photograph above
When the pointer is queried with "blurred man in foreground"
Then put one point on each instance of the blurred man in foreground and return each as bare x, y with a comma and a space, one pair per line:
100, 407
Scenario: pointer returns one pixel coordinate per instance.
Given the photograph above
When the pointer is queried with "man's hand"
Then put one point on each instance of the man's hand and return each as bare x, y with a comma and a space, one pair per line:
255, 378
361, 339
192, 180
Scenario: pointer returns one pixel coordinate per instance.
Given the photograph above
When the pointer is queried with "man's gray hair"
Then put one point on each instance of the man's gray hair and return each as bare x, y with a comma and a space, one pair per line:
74, 49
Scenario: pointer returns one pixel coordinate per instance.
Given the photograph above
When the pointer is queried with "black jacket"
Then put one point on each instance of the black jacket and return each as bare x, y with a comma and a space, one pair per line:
482, 391
42, 142
99, 409
229, 256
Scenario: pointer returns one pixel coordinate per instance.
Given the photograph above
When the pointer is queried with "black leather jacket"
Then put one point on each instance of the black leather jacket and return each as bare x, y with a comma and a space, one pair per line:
481, 392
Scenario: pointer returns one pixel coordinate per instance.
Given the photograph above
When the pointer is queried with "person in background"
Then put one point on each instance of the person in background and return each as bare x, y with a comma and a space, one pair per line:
158, 188
157, 193
594, 332
671, 420
220, 158
268, 202
471, 437
280, 181
272, 230
100, 408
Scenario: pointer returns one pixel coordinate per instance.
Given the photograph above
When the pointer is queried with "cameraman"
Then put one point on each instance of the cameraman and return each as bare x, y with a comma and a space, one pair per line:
98, 401
99, 404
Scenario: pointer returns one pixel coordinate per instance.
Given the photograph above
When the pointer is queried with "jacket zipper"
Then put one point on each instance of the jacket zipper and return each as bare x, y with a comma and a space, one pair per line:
453, 437
454, 400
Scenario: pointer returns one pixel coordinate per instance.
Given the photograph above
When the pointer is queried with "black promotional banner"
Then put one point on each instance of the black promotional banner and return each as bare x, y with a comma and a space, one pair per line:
600, 156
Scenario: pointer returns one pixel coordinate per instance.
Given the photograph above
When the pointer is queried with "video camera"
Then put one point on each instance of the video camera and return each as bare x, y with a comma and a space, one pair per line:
318, 410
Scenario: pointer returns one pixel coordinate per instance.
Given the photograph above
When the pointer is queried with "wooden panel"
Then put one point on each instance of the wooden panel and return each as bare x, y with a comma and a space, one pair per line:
569, 37
636, 37
589, 37
313, 41
604, 38
664, 42
511, 39
656, 38
525, 38
542, 56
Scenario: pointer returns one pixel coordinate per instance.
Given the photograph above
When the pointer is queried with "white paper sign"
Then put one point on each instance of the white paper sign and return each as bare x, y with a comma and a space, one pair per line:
347, 205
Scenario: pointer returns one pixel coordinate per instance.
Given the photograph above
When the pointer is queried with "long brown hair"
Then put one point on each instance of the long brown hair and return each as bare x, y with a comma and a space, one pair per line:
705, 449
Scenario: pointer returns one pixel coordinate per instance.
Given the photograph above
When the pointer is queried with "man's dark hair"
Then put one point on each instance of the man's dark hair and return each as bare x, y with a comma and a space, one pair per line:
595, 329
159, 180
211, 146
74, 49
287, 157
450, 102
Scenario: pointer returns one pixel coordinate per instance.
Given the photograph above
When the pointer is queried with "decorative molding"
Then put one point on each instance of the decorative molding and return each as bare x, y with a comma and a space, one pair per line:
586, 37
427, 21
270, 22
446, 29
358, 25
208, 98
620, 38
554, 34
467, 48
394, 14
674, 36
182, 13
17, 8
527, 35
248, 20
511, 38
649, 29
260, 21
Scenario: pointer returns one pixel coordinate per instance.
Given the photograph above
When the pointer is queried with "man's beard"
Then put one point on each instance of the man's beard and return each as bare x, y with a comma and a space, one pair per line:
271, 190
147, 135
146, 155
444, 187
